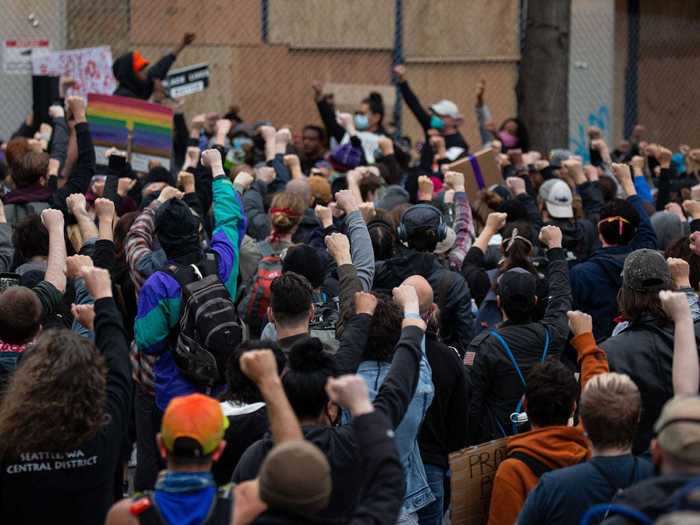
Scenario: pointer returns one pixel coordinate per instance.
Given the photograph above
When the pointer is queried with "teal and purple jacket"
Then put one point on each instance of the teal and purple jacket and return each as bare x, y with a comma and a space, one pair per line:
158, 310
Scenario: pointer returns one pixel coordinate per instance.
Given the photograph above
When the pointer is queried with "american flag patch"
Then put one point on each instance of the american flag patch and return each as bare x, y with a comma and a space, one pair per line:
469, 358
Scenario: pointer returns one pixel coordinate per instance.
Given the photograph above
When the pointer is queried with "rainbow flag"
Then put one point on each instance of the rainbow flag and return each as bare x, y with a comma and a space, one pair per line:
127, 123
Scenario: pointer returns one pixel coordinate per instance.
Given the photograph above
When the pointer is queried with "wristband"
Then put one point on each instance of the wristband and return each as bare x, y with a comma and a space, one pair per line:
412, 315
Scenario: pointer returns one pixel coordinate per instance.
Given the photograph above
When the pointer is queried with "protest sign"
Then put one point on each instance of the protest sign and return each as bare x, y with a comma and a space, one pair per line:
480, 172
142, 128
187, 80
91, 68
17, 55
473, 470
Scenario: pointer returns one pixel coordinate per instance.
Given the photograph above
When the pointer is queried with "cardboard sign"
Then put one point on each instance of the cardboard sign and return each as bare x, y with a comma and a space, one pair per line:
90, 67
17, 55
187, 80
473, 470
145, 130
480, 171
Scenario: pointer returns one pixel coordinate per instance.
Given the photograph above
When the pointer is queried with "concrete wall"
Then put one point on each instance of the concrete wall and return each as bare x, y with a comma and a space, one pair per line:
16, 90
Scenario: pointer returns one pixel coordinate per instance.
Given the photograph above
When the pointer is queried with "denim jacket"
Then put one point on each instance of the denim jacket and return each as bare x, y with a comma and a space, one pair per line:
418, 493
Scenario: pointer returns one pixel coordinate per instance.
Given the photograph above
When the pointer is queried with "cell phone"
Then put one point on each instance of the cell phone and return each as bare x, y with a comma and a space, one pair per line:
8, 279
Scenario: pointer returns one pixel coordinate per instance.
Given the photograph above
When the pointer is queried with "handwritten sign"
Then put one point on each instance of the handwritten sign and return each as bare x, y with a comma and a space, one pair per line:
91, 68
473, 470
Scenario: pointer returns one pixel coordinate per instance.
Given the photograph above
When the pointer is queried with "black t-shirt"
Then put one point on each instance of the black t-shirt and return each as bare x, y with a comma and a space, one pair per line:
75, 486
244, 429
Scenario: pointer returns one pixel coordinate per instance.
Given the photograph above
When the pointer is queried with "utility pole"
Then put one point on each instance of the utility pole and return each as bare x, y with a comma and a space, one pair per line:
543, 81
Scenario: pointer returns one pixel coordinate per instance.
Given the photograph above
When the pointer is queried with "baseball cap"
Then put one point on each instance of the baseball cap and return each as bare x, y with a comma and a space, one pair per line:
421, 217
557, 156
557, 198
138, 62
517, 287
678, 428
345, 157
296, 476
446, 108
197, 419
645, 270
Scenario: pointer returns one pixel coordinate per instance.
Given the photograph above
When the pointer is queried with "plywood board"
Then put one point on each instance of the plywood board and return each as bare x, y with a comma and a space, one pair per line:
229, 22
348, 97
336, 24
477, 28
454, 81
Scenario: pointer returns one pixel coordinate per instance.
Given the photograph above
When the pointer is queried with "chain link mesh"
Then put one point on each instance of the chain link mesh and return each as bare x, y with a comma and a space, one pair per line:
265, 54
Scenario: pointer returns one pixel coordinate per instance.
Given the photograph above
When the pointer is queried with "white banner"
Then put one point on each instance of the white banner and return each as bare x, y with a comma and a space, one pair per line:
91, 68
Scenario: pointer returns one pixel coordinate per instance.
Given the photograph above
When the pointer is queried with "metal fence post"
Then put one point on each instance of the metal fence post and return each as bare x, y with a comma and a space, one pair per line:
632, 69
397, 59
264, 19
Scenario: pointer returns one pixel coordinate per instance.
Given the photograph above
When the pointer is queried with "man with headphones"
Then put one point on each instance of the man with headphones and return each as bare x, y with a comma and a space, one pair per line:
421, 228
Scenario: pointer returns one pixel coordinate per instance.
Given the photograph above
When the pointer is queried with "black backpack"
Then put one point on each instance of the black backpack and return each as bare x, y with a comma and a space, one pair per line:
209, 328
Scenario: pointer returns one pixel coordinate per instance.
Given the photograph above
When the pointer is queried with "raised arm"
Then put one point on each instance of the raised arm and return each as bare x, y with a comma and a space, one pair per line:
592, 360
400, 383
560, 297
59, 138
229, 221
645, 237
411, 99
355, 334
261, 367
111, 341
7, 250
463, 224
325, 110
79, 180
686, 374
360, 242
56, 265
77, 205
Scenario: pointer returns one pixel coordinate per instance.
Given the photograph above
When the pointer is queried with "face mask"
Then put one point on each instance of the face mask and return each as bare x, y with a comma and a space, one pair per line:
361, 122
508, 140
240, 142
436, 122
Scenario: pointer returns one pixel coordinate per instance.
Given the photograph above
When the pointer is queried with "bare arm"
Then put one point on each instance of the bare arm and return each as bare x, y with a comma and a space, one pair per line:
686, 371
261, 367
56, 266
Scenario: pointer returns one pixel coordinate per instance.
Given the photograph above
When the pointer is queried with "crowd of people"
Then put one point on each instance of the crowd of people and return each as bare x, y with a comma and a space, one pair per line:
300, 326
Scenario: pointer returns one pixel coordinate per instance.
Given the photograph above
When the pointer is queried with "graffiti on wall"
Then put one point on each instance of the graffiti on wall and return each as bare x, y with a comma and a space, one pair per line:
578, 143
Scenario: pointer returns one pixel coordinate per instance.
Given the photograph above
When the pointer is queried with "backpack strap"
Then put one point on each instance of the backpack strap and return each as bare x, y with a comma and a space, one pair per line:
603, 509
514, 362
145, 510
266, 249
209, 264
535, 465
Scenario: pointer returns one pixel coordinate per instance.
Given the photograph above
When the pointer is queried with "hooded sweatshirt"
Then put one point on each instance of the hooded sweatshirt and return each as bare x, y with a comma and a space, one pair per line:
595, 282
556, 447
130, 85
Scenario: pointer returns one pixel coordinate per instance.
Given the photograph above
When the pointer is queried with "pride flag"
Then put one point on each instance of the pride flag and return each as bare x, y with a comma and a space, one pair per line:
145, 129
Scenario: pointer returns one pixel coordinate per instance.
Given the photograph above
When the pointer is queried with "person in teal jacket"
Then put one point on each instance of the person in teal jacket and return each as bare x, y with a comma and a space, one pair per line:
160, 298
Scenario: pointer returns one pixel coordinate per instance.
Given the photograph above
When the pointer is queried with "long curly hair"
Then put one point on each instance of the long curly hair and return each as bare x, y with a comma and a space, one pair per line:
55, 399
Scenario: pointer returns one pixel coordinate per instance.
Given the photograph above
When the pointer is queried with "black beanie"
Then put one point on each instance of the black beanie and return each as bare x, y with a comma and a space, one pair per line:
159, 174
177, 228
305, 260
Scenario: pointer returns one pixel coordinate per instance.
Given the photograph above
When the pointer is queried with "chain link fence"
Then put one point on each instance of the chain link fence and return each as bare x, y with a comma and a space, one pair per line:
265, 54
631, 60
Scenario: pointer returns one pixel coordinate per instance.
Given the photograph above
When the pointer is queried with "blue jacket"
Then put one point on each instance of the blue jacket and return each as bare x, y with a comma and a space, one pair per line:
596, 281
418, 493
159, 300
563, 496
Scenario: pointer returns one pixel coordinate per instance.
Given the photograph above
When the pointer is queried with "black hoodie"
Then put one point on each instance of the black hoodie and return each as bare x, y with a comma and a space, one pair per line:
130, 85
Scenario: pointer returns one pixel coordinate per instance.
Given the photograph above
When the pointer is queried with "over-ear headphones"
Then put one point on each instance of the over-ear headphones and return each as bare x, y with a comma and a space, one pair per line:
441, 228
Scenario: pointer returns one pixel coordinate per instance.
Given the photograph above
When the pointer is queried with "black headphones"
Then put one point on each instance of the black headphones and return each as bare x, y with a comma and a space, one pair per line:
441, 228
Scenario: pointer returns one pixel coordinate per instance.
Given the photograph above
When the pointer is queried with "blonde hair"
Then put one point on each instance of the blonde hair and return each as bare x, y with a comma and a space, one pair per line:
286, 212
